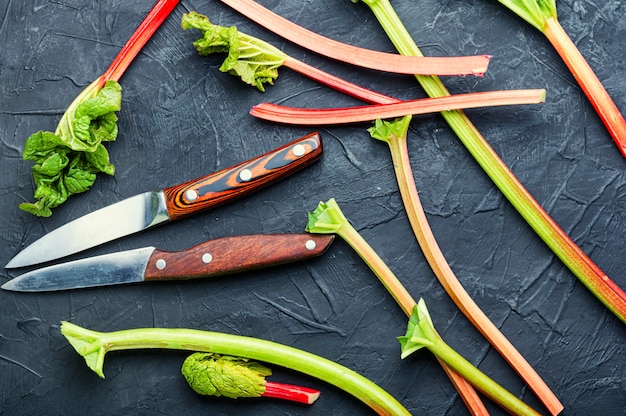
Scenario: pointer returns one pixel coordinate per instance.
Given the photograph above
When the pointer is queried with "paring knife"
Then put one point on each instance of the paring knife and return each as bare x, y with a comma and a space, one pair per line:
211, 258
148, 209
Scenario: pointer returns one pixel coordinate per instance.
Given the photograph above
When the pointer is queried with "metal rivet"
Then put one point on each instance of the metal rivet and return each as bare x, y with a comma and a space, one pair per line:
245, 175
207, 258
191, 195
160, 264
310, 245
299, 150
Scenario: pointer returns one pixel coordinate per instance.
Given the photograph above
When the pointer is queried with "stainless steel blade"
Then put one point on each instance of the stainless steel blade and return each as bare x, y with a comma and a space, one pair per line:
106, 224
109, 269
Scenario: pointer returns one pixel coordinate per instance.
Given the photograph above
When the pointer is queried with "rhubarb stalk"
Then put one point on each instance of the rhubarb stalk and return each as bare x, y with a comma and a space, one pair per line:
93, 346
542, 15
611, 295
328, 218
382, 61
356, 114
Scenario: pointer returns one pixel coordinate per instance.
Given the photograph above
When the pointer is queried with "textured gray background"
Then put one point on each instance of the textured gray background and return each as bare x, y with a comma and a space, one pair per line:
181, 118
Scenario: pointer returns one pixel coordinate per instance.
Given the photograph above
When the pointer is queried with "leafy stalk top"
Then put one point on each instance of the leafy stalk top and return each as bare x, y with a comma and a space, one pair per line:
535, 12
252, 59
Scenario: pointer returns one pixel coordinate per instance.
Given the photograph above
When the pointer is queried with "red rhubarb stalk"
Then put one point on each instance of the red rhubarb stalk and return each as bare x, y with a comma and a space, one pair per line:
137, 41
542, 14
298, 394
316, 116
382, 61
588, 81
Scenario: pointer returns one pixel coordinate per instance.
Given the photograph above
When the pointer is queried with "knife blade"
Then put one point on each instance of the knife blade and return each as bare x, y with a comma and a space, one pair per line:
209, 259
148, 209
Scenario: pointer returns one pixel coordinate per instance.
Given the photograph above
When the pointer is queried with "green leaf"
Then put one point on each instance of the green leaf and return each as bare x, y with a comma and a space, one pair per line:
222, 375
327, 218
67, 161
534, 12
385, 130
256, 62
420, 332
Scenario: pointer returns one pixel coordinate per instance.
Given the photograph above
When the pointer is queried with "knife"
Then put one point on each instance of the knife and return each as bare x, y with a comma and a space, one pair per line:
148, 209
212, 258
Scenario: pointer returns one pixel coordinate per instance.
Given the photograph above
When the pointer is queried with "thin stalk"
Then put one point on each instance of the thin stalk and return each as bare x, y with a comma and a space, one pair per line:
328, 218
440, 266
588, 81
542, 15
290, 392
139, 38
93, 346
382, 61
356, 114
559, 242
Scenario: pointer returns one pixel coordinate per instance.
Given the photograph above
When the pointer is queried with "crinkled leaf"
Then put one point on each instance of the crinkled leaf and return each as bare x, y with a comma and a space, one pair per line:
256, 62
420, 332
218, 375
66, 162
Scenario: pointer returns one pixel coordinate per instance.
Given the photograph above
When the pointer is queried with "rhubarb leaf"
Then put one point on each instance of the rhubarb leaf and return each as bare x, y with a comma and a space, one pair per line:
67, 161
223, 375
256, 62
420, 331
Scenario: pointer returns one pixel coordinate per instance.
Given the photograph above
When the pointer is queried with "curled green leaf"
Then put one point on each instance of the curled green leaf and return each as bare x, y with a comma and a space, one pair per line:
67, 161
256, 62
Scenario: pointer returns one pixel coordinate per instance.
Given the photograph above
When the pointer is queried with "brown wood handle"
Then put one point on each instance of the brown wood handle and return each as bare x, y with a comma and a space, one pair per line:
239, 180
235, 254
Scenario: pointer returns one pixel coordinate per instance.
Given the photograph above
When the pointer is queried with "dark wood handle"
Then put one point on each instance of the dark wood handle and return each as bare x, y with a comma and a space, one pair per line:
239, 180
235, 254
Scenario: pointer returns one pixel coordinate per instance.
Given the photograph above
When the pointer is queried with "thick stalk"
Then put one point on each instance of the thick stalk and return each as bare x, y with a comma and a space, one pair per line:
559, 242
94, 345
588, 81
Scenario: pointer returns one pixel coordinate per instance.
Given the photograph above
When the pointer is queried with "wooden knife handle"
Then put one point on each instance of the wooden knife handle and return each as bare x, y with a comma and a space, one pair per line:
234, 254
239, 180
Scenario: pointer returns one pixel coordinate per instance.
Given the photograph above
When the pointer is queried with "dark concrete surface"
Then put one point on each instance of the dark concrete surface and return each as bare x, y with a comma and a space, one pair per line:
182, 118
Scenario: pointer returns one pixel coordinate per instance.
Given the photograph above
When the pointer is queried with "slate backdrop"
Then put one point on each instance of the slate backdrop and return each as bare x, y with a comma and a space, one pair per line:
181, 118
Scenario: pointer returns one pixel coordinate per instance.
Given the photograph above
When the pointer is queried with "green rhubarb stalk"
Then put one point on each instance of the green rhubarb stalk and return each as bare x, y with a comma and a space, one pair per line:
67, 161
422, 334
542, 15
93, 346
328, 218
611, 295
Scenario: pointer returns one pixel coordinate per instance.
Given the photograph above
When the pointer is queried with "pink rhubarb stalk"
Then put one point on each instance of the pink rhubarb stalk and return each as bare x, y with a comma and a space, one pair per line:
588, 81
304, 116
150, 24
312, 41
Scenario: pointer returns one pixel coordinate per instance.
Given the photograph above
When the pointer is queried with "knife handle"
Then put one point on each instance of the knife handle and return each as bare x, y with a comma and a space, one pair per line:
239, 180
234, 254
